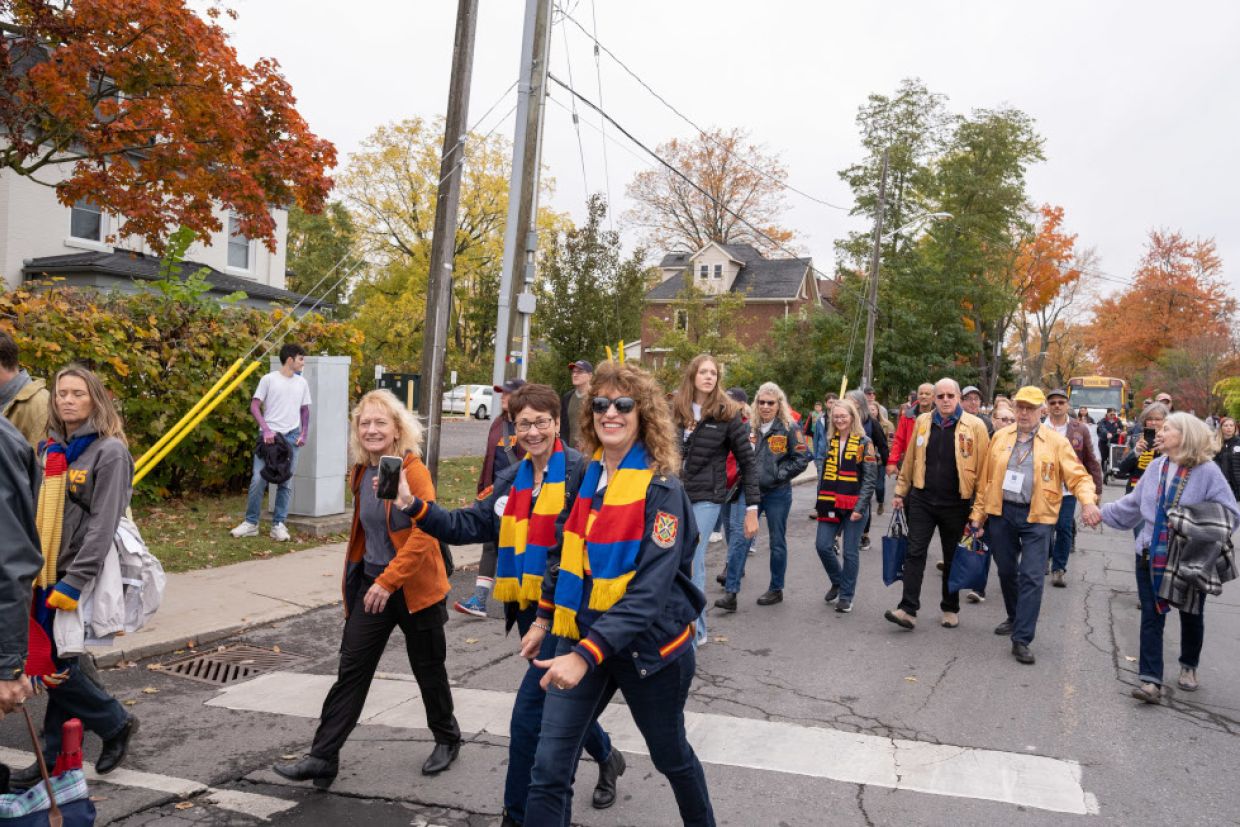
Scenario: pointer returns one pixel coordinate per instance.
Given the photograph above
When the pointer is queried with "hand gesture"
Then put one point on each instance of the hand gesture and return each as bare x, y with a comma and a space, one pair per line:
532, 641
751, 523
563, 672
376, 599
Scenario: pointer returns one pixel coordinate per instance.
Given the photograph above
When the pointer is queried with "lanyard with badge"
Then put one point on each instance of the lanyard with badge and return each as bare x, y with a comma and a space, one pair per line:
1014, 480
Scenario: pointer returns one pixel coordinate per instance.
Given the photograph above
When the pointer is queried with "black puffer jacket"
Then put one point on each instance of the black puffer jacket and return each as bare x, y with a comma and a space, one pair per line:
704, 471
1228, 459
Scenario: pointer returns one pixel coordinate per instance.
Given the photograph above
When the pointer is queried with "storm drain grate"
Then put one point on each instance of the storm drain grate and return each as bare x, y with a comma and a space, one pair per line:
230, 664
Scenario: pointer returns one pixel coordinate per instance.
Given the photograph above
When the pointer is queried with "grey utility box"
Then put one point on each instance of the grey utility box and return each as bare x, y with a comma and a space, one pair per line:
322, 463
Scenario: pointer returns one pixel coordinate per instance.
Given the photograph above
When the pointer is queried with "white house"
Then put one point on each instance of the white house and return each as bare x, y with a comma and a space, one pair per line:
42, 238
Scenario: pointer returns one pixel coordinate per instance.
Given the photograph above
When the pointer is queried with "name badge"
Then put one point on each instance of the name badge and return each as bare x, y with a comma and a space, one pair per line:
921, 440
1013, 481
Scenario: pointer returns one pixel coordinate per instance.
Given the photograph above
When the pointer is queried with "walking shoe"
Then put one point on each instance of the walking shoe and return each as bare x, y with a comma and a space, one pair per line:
939, 566
727, 602
1021, 652
279, 533
975, 597
813, 515
1188, 679
319, 770
1150, 693
246, 529
833, 593
901, 618
881, 509
950, 620
844, 606
475, 606
1004, 629
1057, 579
608, 772
771, 597
716, 536
114, 748
441, 758
722, 579
24, 779
865, 541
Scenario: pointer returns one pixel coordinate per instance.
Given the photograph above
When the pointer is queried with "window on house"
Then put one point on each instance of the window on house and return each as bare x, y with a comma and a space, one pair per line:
718, 271
238, 245
86, 221
704, 271
681, 320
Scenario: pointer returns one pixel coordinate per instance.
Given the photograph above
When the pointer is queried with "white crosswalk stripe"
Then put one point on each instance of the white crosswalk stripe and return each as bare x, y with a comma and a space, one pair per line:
1027, 780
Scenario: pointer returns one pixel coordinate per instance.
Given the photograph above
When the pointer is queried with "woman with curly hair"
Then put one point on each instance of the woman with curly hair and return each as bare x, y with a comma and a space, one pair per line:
711, 428
625, 602
394, 575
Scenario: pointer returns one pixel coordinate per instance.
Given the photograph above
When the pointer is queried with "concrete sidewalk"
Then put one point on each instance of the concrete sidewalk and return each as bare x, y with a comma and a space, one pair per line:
206, 605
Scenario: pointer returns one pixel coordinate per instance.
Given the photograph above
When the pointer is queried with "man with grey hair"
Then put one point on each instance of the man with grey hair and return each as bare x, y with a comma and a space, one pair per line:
937, 482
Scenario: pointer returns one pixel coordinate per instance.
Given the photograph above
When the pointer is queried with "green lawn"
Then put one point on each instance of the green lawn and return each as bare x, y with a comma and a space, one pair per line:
192, 533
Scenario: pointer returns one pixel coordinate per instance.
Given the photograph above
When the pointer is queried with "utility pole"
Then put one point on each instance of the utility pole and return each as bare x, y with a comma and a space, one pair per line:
867, 369
443, 242
516, 299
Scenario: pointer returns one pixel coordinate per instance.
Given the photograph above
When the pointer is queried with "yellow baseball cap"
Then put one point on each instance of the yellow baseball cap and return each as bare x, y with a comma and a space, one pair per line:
1030, 395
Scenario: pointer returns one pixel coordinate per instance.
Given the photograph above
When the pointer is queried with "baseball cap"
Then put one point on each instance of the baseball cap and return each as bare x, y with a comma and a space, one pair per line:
738, 395
868, 389
968, 389
581, 364
509, 386
1030, 395
1057, 392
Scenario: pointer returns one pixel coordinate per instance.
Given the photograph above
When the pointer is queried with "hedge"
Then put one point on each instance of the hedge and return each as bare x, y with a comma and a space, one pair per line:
157, 356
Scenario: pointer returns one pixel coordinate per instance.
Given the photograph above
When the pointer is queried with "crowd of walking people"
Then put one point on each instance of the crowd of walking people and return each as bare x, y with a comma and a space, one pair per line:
596, 509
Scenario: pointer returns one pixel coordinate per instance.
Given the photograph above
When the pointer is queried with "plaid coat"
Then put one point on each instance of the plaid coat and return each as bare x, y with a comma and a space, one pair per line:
1200, 558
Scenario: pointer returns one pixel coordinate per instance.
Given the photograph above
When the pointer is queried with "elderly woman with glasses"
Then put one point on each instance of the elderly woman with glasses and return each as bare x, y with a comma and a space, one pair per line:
625, 603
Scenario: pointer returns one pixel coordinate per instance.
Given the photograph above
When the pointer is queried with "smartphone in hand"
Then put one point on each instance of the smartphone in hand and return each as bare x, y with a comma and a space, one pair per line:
1148, 435
389, 478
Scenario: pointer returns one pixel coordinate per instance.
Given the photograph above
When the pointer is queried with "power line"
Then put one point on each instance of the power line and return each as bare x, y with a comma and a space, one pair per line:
704, 133
598, 76
581, 150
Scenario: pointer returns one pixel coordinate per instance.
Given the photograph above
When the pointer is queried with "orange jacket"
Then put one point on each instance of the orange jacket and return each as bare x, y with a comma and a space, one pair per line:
417, 569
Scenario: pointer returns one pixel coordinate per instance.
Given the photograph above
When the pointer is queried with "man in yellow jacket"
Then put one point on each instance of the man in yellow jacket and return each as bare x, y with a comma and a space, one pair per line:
938, 475
1027, 467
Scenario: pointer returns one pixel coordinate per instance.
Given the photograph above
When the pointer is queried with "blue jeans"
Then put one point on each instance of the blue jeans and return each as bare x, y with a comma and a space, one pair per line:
657, 704
258, 486
1065, 530
775, 504
1019, 549
80, 697
704, 514
1192, 632
526, 722
846, 576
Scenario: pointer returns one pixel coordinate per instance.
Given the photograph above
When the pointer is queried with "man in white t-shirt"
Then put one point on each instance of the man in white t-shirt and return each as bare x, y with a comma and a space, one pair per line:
281, 406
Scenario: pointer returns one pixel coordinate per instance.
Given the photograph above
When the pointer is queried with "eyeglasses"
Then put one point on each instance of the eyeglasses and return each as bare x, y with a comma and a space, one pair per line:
766, 402
1005, 419
623, 404
544, 424
945, 396
1056, 402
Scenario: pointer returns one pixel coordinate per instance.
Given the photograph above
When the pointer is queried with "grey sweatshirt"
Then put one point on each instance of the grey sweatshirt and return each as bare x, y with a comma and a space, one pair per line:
20, 557
100, 484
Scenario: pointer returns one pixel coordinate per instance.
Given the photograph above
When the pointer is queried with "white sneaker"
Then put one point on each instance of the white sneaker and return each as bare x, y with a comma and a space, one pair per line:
246, 529
716, 537
279, 533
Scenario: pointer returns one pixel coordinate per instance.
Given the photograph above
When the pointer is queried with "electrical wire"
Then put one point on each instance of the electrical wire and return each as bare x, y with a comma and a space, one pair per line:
598, 76
581, 150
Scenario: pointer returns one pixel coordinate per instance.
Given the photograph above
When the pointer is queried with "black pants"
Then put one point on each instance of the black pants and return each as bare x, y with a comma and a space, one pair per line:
365, 637
924, 516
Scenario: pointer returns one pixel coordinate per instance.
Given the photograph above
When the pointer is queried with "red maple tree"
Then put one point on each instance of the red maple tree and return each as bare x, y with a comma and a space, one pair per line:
148, 113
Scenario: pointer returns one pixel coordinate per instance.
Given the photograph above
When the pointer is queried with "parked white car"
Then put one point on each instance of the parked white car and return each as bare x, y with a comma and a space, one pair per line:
480, 405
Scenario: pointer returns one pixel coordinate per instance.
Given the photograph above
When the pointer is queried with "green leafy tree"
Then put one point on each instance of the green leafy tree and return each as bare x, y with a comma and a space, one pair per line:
589, 297
317, 249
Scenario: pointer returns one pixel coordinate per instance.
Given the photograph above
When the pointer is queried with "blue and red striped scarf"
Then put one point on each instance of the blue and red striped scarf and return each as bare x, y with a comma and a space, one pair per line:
527, 530
1159, 545
601, 541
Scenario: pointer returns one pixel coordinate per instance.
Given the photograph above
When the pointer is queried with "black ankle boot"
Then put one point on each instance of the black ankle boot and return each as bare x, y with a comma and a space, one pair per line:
26, 778
441, 758
608, 772
114, 748
319, 770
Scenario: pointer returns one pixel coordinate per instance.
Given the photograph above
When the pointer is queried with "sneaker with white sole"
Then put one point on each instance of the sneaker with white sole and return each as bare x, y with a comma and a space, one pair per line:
716, 536
279, 533
475, 606
246, 529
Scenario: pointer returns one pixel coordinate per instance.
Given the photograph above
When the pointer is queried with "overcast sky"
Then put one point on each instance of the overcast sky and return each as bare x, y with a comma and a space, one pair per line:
1139, 102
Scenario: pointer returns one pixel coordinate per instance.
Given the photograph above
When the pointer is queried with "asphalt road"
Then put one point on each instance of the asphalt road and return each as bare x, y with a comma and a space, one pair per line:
463, 437
824, 696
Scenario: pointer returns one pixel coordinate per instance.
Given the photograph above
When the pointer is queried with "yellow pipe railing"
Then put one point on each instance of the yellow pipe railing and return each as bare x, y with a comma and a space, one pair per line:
203, 414
198, 406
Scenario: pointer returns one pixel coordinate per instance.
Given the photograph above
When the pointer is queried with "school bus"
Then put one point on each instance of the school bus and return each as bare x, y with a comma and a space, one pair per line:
1097, 393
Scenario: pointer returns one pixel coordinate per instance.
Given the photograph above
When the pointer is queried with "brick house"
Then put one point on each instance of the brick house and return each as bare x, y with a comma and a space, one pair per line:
774, 288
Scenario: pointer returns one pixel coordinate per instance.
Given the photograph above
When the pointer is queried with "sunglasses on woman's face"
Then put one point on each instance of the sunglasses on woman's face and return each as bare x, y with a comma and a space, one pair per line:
623, 404
766, 402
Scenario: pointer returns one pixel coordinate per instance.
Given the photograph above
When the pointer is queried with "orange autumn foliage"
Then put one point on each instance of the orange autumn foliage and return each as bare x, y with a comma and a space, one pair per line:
1043, 264
153, 118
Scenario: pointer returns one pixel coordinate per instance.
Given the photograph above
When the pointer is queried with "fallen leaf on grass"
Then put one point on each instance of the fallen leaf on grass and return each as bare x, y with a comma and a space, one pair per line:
471, 640
183, 805
910, 679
